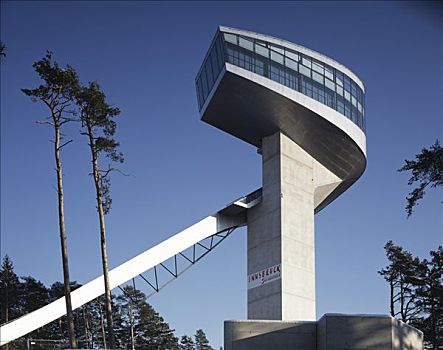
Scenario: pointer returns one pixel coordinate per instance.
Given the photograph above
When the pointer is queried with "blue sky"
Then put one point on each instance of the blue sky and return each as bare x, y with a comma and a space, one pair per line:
145, 55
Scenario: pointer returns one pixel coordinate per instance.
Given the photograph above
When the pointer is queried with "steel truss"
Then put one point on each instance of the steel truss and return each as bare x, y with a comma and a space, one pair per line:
195, 256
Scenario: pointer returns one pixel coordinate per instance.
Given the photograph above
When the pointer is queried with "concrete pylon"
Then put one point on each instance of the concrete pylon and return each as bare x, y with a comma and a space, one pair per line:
281, 251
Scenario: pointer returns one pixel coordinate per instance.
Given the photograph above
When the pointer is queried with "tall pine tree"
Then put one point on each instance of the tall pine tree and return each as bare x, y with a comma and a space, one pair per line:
98, 124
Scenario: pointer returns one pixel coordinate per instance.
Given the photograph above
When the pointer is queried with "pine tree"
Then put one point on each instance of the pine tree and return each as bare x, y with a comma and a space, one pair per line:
9, 291
186, 343
97, 118
201, 342
57, 94
143, 327
401, 274
427, 170
430, 301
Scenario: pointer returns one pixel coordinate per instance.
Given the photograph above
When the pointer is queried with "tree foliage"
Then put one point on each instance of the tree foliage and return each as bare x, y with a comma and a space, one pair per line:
426, 171
186, 343
98, 122
416, 291
201, 342
2, 50
131, 310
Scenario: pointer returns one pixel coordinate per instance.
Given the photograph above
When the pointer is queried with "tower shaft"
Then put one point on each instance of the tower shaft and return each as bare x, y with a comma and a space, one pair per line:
281, 250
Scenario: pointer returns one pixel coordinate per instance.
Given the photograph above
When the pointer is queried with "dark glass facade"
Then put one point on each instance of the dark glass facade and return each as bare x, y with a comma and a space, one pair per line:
293, 69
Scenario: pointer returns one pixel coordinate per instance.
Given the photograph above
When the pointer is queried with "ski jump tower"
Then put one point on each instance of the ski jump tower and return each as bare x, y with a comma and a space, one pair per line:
306, 115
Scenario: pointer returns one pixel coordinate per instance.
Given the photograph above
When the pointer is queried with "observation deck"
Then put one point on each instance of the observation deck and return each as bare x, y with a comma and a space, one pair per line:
252, 85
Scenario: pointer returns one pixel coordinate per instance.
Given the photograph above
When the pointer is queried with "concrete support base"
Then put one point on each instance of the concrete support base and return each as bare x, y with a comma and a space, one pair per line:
331, 332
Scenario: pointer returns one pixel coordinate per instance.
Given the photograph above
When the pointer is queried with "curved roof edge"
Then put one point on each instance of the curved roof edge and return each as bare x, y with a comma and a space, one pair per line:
317, 55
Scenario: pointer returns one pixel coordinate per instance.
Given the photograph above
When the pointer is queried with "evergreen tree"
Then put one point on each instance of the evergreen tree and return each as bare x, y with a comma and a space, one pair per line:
401, 274
430, 301
97, 118
186, 343
57, 94
201, 342
9, 291
142, 326
2, 51
427, 170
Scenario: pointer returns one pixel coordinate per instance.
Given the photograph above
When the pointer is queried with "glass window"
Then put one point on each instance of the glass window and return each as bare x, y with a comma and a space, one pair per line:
204, 84
339, 90
306, 61
317, 77
199, 93
219, 55
347, 96
230, 38
259, 67
305, 71
292, 80
247, 44
329, 84
339, 78
291, 64
261, 50
209, 75
354, 101
353, 89
276, 57
292, 55
347, 83
277, 49
329, 73
318, 67
215, 68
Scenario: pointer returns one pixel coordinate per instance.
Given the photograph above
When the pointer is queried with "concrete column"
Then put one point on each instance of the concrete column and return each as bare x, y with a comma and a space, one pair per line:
281, 233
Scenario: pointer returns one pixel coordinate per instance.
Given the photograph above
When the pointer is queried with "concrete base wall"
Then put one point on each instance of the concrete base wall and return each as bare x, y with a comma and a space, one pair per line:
331, 332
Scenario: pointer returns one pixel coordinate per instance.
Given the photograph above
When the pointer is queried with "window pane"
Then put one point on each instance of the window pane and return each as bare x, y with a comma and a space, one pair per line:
347, 83
278, 49
318, 67
339, 90
291, 64
329, 84
339, 78
247, 44
317, 77
347, 96
276, 57
292, 55
262, 50
329, 73
209, 75
305, 71
231, 38
306, 61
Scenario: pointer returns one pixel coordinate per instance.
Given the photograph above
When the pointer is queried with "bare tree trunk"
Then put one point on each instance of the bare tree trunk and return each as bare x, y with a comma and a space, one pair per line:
64, 247
391, 284
7, 307
102, 322
131, 318
101, 215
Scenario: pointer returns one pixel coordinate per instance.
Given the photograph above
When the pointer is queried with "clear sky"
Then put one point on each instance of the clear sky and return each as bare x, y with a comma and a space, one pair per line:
145, 55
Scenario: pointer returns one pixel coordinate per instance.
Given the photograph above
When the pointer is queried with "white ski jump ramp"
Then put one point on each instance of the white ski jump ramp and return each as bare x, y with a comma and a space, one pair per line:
234, 215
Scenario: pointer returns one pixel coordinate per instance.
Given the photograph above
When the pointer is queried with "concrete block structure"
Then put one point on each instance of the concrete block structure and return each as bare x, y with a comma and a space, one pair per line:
331, 332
